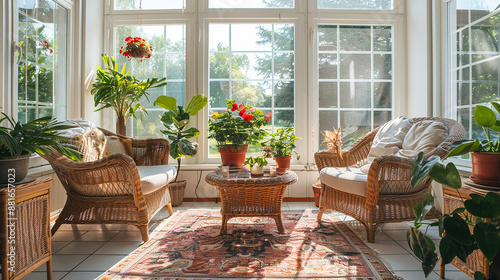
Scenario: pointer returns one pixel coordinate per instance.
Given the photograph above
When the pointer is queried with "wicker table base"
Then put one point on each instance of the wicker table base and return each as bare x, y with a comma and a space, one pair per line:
244, 196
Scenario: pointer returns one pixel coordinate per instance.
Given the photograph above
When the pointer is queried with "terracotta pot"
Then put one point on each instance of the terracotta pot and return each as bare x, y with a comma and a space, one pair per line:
283, 163
13, 170
485, 168
234, 158
317, 193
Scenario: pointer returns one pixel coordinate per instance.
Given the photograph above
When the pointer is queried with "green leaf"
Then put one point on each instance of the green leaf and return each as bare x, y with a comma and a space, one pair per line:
478, 275
196, 104
487, 239
446, 249
496, 105
174, 150
187, 148
457, 228
421, 168
484, 116
190, 132
423, 249
448, 175
167, 102
464, 147
425, 207
487, 206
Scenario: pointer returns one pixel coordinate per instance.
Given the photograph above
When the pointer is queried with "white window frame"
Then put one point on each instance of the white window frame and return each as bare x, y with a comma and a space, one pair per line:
305, 16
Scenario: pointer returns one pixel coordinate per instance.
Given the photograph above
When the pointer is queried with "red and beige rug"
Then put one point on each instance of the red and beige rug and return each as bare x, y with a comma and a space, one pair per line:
188, 246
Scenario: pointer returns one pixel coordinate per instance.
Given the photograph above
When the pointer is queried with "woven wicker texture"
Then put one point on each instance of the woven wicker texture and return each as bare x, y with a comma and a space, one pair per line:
244, 196
390, 197
32, 229
109, 190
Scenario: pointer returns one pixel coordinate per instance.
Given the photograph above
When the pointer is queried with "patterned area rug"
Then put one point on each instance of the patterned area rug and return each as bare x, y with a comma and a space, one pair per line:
188, 246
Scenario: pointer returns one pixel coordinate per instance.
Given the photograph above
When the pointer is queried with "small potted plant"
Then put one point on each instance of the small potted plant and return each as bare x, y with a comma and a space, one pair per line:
236, 128
485, 155
19, 141
256, 164
121, 92
282, 144
176, 120
136, 47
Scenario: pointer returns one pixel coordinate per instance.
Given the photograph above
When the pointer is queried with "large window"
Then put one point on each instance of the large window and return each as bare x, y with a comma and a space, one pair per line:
474, 28
42, 69
355, 71
253, 64
169, 60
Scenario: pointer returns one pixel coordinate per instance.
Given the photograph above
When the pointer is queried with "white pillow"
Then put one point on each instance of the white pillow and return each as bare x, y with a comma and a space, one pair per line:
389, 138
81, 127
424, 136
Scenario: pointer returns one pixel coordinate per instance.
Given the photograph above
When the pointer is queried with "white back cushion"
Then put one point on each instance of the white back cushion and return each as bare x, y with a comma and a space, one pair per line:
423, 136
389, 138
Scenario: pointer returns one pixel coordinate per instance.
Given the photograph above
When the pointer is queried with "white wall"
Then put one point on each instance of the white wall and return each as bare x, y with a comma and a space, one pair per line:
419, 58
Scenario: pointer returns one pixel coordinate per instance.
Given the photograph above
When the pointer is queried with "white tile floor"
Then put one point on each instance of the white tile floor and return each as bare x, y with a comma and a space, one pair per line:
86, 251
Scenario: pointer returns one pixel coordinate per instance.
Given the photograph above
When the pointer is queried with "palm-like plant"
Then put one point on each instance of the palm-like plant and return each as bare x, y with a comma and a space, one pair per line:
120, 91
37, 136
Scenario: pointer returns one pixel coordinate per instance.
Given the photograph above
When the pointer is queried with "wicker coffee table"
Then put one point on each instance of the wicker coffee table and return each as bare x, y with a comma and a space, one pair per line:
245, 196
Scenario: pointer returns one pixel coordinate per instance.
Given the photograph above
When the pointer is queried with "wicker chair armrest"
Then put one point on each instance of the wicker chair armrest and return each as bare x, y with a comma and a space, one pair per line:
395, 171
153, 151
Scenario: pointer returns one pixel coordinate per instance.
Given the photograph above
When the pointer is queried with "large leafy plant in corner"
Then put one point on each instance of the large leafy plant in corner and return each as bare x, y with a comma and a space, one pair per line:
118, 90
458, 241
176, 120
36, 136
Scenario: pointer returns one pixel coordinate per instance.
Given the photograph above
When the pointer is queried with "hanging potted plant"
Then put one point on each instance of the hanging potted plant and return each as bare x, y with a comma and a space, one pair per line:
256, 165
136, 48
19, 141
282, 144
485, 155
120, 91
236, 128
176, 120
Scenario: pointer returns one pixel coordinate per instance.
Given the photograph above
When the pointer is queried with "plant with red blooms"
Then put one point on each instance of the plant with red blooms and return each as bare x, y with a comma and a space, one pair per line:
239, 125
46, 44
136, 47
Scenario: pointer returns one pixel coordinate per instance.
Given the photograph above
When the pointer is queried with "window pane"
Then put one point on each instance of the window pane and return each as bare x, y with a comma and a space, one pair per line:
362, 57
253, 64
249, 4
473, 27
168, 60
149, 4
355, 4
42, 71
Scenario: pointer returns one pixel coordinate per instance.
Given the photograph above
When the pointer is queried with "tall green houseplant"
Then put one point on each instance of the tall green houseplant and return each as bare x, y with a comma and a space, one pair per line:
121, 92
176, 120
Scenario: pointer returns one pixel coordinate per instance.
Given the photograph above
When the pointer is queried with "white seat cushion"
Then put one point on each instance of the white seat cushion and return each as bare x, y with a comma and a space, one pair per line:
346, 179
155, 177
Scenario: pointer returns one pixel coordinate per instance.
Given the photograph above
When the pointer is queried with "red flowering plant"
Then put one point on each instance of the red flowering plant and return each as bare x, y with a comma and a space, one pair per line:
46, 44
136, 47
239, 125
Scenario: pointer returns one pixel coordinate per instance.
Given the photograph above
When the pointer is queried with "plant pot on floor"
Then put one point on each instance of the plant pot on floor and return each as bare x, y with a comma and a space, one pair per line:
317, 193
485, 168
14, 169
283, 163
230, 156
177, 192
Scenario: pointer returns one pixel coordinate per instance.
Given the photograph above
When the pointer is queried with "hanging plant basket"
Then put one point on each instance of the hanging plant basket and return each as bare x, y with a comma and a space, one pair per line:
136, 48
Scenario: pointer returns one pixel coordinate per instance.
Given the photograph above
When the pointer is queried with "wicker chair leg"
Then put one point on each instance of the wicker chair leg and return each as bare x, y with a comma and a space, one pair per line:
370, 233
49, 269
169, 207
56, 225
279, 224
320, 213
144, 232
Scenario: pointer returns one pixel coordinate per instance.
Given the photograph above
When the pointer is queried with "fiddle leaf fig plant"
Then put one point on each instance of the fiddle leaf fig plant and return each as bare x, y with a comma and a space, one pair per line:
176, 120
478, 212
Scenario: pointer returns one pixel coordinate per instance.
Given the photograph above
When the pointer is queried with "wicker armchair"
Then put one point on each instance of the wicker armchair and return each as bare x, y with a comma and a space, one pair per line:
109, 190
389, 195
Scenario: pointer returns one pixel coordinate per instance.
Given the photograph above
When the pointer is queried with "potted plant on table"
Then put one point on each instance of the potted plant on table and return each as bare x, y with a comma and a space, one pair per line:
120, 91
236, 128
19, 141
282, 144
462, 232
176, 120
485, 155
256, 164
